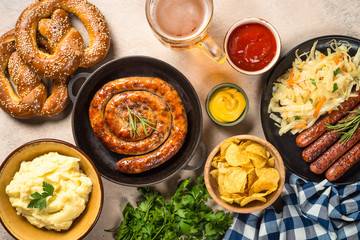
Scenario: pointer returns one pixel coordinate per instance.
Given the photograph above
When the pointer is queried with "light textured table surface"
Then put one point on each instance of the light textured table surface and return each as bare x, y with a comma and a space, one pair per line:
296, 21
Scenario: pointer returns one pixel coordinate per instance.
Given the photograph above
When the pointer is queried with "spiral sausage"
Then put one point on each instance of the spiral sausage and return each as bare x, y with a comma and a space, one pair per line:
152, 99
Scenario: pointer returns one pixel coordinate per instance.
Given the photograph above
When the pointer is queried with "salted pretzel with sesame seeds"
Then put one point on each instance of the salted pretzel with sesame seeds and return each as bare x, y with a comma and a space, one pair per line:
68, 54
20, 107
31, 97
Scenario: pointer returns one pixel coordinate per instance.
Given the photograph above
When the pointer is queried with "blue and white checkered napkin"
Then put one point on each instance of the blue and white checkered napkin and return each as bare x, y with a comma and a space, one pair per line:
311, 211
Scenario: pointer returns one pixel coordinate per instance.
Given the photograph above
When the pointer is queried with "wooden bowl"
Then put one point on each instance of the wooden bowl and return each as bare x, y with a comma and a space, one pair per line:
213, 188
17, 225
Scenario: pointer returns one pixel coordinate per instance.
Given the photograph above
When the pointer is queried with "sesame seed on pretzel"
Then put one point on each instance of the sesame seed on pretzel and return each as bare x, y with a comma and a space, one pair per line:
69, 53
30, 97
30, 101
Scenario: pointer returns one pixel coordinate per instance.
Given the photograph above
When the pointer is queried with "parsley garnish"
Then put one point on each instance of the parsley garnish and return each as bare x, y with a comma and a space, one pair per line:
313, 82
185, 216
337, 71
335, 87
39, 200
133, 125
311, 100
296, 117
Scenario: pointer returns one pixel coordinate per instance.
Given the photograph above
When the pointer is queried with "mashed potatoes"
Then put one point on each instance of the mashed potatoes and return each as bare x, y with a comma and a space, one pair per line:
72, 189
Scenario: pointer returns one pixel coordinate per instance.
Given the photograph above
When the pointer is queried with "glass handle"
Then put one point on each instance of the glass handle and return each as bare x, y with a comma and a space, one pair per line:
210, 48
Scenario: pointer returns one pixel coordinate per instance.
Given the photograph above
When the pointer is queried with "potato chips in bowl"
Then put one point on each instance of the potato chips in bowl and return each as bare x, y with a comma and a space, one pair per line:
244, 174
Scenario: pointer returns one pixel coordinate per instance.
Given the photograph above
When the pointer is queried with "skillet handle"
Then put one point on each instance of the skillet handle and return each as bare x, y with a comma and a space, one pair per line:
73, 81
203, 158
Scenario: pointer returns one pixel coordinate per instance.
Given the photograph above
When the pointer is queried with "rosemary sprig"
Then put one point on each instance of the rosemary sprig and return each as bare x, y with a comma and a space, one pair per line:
133, 125
346, 126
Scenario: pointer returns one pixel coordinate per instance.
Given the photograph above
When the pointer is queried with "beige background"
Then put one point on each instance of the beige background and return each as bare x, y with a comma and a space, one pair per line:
296, 21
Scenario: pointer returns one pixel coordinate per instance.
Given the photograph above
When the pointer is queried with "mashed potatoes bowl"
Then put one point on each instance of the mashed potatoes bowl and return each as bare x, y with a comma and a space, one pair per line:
17, 225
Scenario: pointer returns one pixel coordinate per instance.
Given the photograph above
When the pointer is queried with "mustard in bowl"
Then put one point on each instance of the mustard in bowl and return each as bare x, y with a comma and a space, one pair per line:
227, 104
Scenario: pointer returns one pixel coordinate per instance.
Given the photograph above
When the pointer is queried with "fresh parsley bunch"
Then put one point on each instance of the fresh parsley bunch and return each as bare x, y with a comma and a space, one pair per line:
185, 216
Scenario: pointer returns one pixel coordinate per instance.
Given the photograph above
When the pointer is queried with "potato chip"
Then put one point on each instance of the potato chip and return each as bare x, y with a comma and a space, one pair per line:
224, 146
220, 180
268, 179
252, 177
250, 199
257, 148
215, 173
257, 160
271, 162
235, 180
222, 190
223, 167
239, 199
244, 144
261, 171
227, 199
238, 195
216, 161
235, 157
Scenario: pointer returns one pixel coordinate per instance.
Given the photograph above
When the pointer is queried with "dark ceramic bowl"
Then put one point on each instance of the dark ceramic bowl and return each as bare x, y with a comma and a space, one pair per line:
104, 159
285, 144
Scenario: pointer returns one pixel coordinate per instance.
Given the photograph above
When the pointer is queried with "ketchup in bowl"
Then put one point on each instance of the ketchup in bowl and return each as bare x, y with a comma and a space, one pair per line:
251, 46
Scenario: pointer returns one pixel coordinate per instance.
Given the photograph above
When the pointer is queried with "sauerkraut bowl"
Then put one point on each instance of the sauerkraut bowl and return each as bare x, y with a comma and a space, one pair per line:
18, 225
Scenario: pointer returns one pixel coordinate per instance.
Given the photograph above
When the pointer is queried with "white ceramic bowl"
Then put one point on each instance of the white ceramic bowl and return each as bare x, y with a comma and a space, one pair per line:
273, 31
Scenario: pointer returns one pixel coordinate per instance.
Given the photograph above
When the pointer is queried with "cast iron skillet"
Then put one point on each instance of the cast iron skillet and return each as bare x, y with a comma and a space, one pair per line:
104, 159
285, 144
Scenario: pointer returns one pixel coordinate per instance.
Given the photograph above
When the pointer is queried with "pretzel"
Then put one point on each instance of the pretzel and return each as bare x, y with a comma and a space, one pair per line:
30, 98
21, 107
69, 53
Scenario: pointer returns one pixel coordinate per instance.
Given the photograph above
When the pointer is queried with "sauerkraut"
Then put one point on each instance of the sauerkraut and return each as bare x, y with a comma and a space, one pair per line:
314, 86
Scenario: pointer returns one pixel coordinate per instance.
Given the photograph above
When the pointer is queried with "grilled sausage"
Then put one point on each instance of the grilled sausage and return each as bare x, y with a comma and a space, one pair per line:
320, 145
325, 141
344, 163
308, 136
333, 153
152, 99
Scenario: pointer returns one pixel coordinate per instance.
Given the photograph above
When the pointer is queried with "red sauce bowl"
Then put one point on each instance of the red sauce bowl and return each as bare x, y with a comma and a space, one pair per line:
252, 46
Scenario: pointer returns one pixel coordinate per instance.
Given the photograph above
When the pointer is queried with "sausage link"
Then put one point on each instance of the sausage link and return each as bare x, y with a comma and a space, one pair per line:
333, 153
320, 145
325, 141
109, 116
308, 136
344, 163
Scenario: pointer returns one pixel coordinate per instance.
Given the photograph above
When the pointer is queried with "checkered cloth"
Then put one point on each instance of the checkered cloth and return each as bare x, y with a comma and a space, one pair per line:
310, 211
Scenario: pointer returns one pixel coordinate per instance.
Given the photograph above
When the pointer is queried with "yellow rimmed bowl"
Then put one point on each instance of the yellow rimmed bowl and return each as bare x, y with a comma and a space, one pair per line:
18, 226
